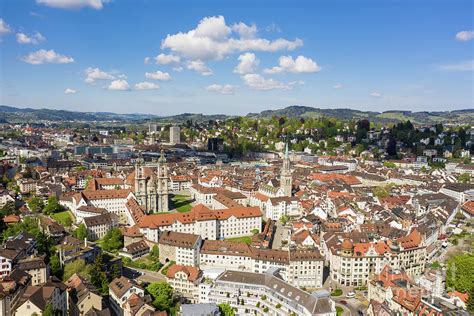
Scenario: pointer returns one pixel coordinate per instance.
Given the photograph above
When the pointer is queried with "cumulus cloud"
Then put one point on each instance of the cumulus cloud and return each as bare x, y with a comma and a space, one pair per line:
43, 56
178, 69
338, 86
70, 91
212, 39
158, 75
248, 64
36, 38
299, 65
147, 60
376, 94
4, 28
119, 85
163, 59
244, 30
73, 4
257, 82
467, 65
222, 89
465, 36
93, 74
199, 67
146, 86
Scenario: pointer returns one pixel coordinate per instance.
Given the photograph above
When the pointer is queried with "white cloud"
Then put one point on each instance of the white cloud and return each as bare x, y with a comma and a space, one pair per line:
248, 64
146, 86
338, 86
467, 65
178, 69
119, 85
36, 38
257, 82
299, 65
4, 28
73, 4
70, 91
93, 74
244, 30
43, 56
163, 59
376, 94
465, 36
147, 60
158, 75
212, 40
199, 67
222, 89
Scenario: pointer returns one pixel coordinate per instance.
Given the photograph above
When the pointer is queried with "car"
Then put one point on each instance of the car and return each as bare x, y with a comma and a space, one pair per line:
343, 302
350, 294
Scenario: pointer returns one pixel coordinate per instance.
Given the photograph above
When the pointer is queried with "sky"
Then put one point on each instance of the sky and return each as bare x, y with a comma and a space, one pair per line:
236, 57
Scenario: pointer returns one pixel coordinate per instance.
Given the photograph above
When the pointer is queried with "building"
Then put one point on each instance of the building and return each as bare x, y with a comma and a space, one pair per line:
181, 248
120, 290
209, 224
98, 226
83, 296
175, 135
266, 294
35, 299
12, 288
276, 207
36, 268
15, 249
135, 250
185, 281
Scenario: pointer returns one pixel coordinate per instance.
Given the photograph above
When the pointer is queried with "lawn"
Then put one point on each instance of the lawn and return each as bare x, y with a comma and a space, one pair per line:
245, 239
339, 310
62, 217
182, 203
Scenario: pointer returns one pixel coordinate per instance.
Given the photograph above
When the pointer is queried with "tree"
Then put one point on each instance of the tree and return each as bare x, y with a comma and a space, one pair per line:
35, 204
155, 252
53, 206
80, 232
380, 192
464, 178
115, 272
55, 266
226, 310
77, 266
459, 273
113, 240
284, 219
162, 294
48, 310
470, 301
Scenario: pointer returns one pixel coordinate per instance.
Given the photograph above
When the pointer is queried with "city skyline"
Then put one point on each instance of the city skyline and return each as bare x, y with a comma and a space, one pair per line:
170, 58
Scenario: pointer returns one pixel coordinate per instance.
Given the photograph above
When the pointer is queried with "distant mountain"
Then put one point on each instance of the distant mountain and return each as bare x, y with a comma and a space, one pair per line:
458, 116
14, 115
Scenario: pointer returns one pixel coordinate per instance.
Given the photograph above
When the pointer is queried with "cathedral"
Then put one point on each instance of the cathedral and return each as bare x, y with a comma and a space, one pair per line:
151, 188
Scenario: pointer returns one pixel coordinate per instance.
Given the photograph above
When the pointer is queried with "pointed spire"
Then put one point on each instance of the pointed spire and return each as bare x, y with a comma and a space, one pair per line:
286, 151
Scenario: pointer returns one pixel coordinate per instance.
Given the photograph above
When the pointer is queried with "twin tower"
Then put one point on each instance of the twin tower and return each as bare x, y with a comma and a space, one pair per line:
151, 189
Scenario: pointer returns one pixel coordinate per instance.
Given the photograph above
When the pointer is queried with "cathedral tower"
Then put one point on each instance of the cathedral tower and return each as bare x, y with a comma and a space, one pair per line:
162, 185
286, 181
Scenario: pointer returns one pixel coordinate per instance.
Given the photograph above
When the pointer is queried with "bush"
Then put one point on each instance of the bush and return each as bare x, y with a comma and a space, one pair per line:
336, 292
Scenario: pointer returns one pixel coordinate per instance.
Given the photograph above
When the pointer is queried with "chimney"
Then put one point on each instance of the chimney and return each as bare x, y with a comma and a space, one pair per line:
85, 242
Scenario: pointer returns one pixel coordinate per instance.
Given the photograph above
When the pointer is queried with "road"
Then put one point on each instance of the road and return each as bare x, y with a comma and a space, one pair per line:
281, 234
147, 275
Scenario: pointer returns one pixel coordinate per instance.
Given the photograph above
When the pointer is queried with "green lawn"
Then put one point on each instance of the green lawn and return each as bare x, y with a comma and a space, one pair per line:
182, 203
62, 217
245, 239
339, 310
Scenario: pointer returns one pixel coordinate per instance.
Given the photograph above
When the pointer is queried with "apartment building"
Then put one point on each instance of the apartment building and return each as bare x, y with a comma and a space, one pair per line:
120, 290
266, 294
276, 207
98, 226
185, 281
180, 247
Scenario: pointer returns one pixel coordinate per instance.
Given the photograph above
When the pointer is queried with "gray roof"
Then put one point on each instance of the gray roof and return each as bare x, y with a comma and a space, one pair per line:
205, 309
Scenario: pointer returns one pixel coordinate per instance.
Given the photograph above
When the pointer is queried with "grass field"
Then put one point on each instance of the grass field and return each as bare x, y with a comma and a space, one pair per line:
182, 203
62, 217
245, 239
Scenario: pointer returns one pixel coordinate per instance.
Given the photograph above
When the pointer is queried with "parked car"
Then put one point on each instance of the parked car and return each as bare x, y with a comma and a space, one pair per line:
350, 294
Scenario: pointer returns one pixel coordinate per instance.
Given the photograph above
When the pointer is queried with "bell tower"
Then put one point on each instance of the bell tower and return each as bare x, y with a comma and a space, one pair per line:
286, 180
162, 185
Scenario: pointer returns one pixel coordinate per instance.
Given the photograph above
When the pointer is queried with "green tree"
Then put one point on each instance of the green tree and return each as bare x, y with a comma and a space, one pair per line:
35, 204
80, 232
155, 252
470, 301
48, 310
226, 310
113, 240
55, 266
284, 219
52, 206
115, 272
459, 273
380, 192
464, 178
162, 294
77, 266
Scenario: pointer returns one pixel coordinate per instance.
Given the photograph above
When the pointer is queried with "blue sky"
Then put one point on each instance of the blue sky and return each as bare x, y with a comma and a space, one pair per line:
236, 57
